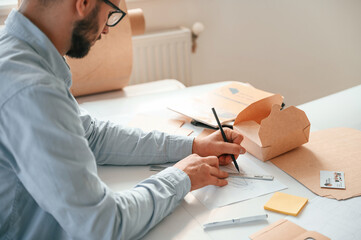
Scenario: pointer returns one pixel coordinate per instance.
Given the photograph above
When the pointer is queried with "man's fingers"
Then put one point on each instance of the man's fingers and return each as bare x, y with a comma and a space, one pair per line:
233, 136
212, 161
218, 182
214, 170
225, 159
236, 138
203, 171
218, 173
232, 148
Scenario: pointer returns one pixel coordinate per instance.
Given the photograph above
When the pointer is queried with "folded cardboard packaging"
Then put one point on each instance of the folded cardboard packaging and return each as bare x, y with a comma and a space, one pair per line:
269, 131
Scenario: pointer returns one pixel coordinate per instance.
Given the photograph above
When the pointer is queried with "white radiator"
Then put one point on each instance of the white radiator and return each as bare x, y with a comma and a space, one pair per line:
162, 55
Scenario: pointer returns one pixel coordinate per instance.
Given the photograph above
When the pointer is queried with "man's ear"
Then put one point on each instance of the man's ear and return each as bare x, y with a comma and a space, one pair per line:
84, 7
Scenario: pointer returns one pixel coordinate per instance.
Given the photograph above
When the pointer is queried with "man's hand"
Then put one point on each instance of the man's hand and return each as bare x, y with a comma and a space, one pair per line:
202, 171
214, 145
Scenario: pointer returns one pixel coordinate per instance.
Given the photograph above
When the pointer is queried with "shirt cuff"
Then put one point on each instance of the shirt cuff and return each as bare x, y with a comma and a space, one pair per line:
179, 179
179, 147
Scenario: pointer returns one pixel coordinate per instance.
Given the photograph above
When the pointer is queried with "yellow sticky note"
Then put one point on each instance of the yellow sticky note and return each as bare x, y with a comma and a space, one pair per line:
285, 203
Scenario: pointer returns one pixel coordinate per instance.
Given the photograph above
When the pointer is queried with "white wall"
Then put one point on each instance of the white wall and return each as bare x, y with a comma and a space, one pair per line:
303, 49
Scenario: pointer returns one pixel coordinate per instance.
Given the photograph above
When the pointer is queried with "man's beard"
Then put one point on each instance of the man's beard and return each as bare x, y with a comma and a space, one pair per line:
80, 44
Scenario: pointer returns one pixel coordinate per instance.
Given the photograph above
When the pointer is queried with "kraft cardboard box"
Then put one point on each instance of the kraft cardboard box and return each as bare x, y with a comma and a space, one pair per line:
269, 131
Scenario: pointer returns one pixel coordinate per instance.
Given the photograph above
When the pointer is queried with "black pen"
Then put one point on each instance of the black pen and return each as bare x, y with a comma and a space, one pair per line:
224, 137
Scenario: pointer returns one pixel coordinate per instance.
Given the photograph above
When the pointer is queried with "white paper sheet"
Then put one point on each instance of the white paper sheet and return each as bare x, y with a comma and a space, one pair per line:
332, 218
238, 189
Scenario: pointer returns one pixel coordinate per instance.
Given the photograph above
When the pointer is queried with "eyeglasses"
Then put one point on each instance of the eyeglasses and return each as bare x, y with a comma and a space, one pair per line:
115, 16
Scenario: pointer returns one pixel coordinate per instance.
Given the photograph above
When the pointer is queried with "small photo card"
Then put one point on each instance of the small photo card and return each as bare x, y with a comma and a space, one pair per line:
332, 179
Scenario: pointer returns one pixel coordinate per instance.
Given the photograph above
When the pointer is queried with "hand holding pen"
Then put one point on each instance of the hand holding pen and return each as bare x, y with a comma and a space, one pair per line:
214, 145
224, 137
202, 167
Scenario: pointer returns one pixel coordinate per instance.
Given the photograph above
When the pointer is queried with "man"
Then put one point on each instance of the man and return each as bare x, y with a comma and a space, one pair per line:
49, 149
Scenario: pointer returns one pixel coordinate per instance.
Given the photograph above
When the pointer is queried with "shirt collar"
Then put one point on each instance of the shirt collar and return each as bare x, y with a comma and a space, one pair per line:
22, 28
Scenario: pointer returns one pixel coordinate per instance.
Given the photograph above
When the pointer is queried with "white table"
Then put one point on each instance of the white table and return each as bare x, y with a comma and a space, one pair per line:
342, 109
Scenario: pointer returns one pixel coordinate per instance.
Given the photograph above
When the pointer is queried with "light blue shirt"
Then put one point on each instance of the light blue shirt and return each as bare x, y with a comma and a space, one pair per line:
49, 187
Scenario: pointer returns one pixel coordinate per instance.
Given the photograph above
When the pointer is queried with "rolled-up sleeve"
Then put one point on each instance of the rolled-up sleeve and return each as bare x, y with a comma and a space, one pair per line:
120, 145
54, 162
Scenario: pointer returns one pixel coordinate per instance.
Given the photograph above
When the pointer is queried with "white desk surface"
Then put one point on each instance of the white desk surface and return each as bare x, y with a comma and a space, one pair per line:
342, 109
